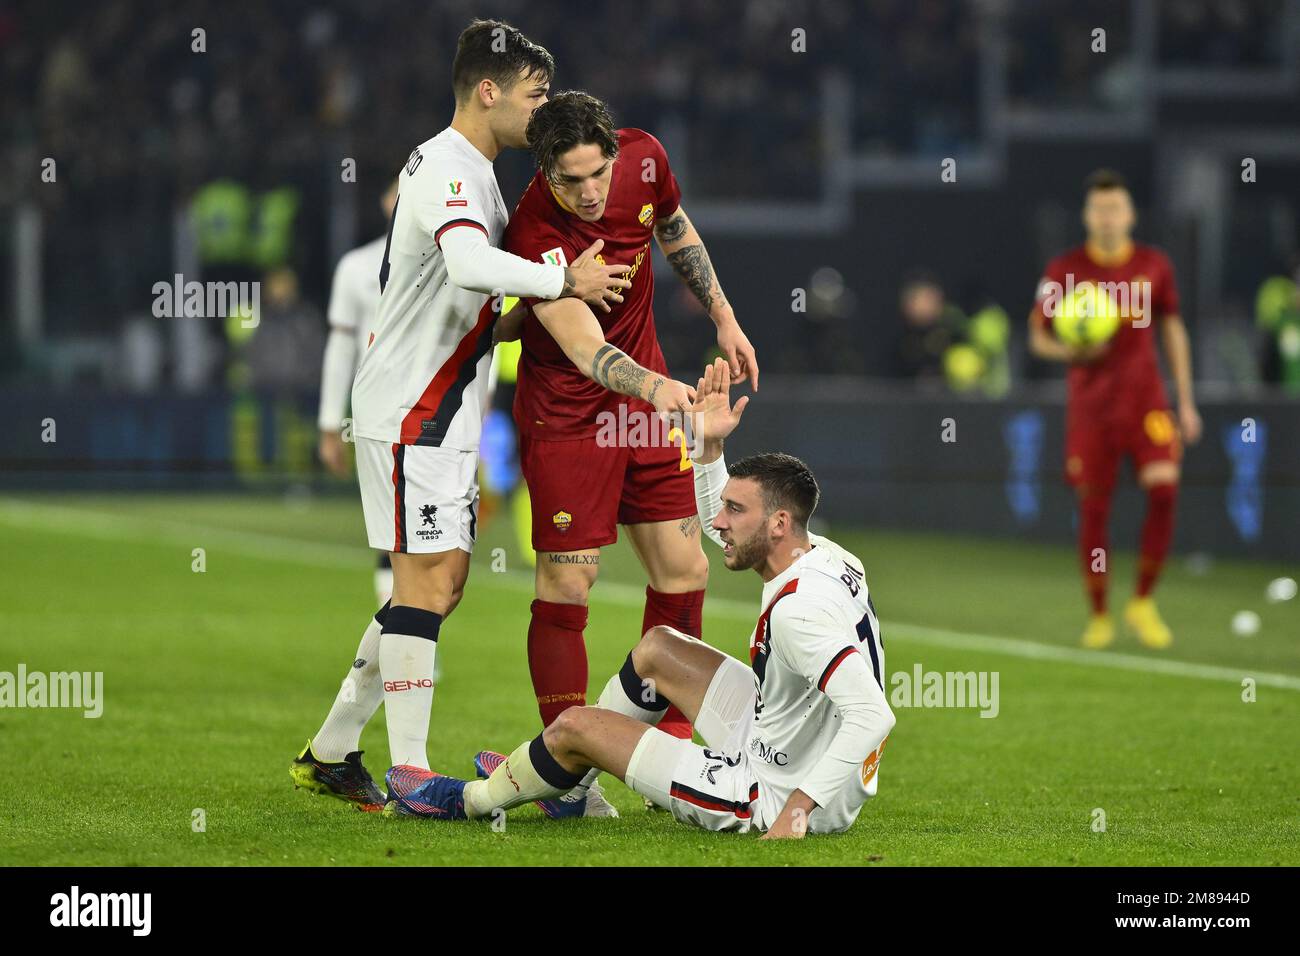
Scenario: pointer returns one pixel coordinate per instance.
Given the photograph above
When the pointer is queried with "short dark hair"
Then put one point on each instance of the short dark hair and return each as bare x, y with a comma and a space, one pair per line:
786, 483
1103, 179
494, 50
569, 119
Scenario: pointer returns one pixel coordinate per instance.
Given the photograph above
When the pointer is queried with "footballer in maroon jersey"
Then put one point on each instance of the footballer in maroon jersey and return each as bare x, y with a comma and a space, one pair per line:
1117, 405
591, 387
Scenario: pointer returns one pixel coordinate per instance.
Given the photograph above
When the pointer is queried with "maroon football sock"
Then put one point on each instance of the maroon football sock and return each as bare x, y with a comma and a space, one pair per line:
685, 612
1094, 554
1157, 531
557, 657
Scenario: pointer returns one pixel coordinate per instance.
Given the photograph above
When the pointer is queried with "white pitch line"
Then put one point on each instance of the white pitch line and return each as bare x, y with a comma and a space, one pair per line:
1033, 650
110, 527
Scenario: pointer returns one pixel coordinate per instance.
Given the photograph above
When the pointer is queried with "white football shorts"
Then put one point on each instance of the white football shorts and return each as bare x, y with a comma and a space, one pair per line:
418, 499
712, 786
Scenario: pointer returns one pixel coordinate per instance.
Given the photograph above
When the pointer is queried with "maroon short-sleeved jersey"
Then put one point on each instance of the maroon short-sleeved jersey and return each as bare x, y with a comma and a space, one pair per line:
1125, 381
553, 399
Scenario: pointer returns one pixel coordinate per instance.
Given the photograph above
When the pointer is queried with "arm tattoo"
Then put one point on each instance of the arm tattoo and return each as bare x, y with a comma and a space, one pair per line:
613, 369
654, 388
695, 269
569, 284
628, 378
673, 229
605, 356
691, 526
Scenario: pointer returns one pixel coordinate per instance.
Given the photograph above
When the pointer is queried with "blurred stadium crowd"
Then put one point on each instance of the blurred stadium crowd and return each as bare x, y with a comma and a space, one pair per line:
143, 127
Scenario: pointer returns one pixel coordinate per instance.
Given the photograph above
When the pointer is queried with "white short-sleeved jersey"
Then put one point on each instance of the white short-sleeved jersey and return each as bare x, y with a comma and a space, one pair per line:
423, 377
354, 294
815, 613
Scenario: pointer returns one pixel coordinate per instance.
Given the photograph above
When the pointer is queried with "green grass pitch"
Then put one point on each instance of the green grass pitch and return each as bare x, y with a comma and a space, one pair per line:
213, 681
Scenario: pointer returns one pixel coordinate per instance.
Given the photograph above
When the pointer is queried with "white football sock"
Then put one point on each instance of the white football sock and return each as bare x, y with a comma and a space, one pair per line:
515, 782
357, 700
407, 651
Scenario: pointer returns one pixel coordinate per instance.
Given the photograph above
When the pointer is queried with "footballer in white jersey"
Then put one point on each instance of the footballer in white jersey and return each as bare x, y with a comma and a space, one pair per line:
424, 372
792, 742
419, 394
423, 378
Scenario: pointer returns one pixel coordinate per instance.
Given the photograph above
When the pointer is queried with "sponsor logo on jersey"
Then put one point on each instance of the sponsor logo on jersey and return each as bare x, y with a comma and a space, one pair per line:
647, 215
636, 263
768, 753
555, 257
562, 520
455, 194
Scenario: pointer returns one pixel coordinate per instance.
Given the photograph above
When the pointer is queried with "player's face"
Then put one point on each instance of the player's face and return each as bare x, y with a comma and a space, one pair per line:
582, 178
743, 525
1108, 216
515, 109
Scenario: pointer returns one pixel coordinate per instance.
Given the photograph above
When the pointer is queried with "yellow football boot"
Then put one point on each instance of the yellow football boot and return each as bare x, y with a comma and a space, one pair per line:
1099, 633
1141, 615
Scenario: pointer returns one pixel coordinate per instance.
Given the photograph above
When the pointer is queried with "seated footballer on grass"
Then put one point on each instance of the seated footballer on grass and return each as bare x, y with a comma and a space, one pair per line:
793, 741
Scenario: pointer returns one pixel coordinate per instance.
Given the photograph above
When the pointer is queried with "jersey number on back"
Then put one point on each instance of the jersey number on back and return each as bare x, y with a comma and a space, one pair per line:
388, 244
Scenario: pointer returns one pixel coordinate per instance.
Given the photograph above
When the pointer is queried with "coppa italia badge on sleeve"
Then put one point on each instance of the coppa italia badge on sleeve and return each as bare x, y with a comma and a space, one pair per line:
456, 194
555, 257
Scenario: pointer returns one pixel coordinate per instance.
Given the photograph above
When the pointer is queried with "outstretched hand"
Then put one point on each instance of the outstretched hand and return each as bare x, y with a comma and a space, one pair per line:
713, 417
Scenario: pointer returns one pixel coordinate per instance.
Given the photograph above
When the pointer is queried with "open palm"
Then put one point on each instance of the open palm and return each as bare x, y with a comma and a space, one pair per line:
713, 417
